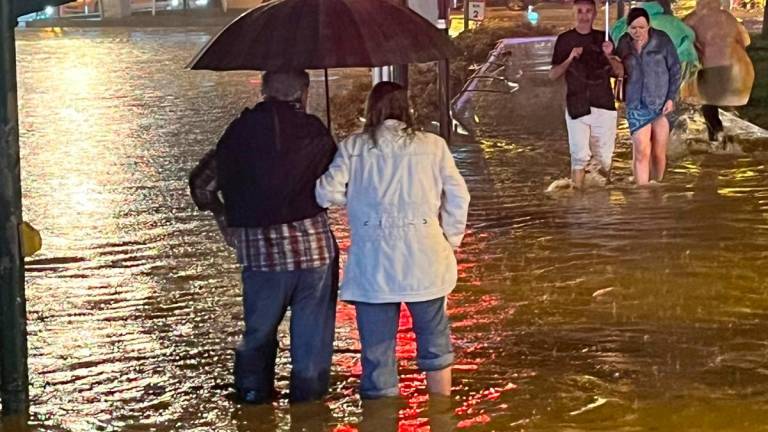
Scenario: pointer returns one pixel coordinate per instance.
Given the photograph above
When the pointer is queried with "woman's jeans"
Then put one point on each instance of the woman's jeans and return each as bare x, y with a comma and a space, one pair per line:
378, 323
311, 295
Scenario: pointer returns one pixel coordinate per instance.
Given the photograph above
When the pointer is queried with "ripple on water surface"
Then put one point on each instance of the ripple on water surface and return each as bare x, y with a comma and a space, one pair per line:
618, 309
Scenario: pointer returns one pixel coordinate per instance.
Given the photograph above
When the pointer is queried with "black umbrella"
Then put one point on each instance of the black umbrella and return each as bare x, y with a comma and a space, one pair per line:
23, 7
322, 34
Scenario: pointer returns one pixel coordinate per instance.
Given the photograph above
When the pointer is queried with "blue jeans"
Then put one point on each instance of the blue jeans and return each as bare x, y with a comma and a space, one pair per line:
311, 295
377, 324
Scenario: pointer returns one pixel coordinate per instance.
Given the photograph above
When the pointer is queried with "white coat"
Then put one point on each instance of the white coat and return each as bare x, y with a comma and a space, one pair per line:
407, 206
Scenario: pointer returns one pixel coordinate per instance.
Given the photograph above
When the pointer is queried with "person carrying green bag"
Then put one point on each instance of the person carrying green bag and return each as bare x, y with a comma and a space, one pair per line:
682, 35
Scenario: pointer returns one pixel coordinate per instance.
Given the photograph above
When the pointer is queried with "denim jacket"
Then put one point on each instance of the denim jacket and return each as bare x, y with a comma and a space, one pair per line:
653, 75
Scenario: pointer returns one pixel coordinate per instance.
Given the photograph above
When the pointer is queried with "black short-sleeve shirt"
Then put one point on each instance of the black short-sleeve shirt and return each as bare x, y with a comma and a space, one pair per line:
587, 79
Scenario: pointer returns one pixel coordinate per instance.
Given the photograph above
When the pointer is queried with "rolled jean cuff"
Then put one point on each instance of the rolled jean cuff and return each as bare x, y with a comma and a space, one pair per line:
378, 394
436, 364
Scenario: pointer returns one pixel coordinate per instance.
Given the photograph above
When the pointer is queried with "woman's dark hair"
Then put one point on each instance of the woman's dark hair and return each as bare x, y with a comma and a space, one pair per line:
387, 100
635, 13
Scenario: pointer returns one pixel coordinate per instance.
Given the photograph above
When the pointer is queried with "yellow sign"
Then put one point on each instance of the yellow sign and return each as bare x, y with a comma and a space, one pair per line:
29, 239
457, 26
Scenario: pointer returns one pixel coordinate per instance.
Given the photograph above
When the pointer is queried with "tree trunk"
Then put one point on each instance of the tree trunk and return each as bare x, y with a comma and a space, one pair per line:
765, 21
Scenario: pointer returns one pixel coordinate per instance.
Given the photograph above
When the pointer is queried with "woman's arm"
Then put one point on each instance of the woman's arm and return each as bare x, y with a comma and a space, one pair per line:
455, 200
673, 69
331, 187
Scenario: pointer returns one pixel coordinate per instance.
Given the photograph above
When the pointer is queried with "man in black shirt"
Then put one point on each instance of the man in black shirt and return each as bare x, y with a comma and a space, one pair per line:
584, 56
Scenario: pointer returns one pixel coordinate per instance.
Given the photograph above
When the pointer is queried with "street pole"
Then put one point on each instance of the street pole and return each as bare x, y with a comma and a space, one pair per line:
765, 21
466, 14
443, 69
400, 72
14, 388
444, 75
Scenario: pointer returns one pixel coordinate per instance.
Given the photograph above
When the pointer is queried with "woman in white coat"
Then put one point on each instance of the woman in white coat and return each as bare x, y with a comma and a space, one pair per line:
407, 206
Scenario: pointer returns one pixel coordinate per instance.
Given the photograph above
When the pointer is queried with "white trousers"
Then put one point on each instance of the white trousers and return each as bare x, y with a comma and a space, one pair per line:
592, 136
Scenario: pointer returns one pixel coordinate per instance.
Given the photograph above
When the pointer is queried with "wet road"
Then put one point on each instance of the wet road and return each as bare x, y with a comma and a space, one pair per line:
619, 309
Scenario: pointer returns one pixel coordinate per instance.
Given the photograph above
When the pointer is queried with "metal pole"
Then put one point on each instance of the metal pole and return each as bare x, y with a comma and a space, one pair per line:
764, 32
443, 90
400, 75
14, 389
400, 72
327, 102
466, 14
444, 75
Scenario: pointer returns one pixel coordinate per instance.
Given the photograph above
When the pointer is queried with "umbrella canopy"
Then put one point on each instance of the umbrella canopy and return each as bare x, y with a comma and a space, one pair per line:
23, 7
321, 34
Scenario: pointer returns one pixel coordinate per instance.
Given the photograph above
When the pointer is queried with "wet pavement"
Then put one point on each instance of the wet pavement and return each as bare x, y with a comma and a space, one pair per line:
618, 309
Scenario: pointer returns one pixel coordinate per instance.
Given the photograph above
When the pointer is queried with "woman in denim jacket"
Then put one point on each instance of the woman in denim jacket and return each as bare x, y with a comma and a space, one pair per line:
653, 81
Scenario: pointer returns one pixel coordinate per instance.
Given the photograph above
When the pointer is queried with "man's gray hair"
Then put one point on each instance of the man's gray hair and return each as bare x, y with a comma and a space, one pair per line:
285, 85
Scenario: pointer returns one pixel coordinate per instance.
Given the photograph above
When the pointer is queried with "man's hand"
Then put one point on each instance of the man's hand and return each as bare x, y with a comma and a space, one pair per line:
558, 71
668, 107
616, 66
607, 48
575, 53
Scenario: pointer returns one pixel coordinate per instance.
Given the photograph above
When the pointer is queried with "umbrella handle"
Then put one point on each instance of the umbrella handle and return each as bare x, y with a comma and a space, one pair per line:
607, 17
327, 103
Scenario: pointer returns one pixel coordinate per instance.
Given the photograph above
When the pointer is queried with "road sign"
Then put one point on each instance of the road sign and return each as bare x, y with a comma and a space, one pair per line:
477, 10
457, 25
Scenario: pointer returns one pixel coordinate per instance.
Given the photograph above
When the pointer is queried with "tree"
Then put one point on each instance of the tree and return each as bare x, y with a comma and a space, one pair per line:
765, 21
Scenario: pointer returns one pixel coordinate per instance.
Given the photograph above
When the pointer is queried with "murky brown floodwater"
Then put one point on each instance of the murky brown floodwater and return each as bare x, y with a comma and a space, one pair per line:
618, 310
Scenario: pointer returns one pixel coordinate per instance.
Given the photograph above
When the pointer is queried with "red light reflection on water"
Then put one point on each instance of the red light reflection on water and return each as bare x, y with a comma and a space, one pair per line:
413, 414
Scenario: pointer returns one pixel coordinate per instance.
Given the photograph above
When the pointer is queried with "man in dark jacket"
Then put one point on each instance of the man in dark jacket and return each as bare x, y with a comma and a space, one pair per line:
265, 167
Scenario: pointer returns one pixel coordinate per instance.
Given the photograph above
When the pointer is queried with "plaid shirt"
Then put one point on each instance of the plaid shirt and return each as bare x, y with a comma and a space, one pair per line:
298, 245
303, 244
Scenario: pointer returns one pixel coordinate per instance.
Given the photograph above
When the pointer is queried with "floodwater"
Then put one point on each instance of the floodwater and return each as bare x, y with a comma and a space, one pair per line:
618, 309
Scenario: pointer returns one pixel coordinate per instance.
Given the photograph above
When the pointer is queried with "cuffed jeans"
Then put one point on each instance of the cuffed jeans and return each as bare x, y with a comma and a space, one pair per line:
377, 324
311, 295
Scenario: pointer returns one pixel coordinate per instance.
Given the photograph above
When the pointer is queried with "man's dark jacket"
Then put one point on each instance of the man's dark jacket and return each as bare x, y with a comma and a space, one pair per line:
267, 163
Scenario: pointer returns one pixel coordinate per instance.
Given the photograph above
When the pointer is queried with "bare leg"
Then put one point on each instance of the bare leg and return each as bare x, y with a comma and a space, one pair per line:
659, 141
439, 382
577, 177
641, 155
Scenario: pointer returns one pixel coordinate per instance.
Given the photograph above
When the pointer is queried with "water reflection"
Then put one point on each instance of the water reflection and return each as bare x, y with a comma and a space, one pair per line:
618, 309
